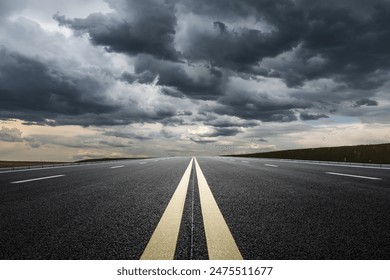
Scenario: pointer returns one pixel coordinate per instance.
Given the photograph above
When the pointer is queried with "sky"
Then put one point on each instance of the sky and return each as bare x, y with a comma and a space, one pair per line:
131, 78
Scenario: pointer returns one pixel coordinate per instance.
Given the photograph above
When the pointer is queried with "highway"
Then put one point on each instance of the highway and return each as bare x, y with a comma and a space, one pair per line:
196, 208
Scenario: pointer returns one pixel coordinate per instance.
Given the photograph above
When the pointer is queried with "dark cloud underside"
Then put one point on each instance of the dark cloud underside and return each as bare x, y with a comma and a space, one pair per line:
31, 89
138, 27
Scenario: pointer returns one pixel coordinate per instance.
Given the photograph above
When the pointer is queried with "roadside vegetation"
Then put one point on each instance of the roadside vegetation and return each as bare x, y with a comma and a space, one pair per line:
379, 154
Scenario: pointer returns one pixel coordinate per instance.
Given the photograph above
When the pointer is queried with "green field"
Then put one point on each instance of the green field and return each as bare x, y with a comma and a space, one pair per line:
379, 154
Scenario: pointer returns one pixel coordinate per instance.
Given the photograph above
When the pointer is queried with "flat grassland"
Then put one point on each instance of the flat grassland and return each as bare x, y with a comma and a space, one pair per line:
379, 154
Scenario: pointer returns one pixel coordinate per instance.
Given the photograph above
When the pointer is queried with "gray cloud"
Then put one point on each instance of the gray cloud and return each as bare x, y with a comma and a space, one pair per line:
203, 140
241, 48
34, 145
167, 133
10, 135
113, 144
305, 116
128, 135
223, 131
352, 46
365, 102
32, 91
229, 122
254, 105
298, 42
136, 27
178, 79
7, 7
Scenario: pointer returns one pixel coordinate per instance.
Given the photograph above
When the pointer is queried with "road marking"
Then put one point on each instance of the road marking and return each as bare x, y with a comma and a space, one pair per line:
356, 176
119, 166
220, 242
51, 167
143, 162
244, 161
386, 167
192, 213
37, 179
271, 165
162, 244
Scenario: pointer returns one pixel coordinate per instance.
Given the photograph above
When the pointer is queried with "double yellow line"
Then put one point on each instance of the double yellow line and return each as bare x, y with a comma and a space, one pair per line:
220, 242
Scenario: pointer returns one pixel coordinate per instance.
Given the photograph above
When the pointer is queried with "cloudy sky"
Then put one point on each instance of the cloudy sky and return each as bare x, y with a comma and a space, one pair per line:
98, 78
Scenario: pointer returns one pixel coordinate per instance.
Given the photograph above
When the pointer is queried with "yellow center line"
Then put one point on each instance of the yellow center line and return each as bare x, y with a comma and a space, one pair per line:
162, 244
220, 242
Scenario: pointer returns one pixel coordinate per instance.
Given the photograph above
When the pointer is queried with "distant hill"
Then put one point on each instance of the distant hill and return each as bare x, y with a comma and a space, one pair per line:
379, 153
108, 159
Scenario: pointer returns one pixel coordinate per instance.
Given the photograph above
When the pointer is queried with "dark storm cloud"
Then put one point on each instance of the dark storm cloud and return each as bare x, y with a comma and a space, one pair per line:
176, 80
355, 48
145, 77
241, 48
353, 38
365, 102
346, 41
136, 27
265, 115
257, 106
223, 131
219, 42
305, 116
32, 91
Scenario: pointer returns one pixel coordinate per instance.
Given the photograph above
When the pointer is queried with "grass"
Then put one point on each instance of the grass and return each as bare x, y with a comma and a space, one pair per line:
379, 154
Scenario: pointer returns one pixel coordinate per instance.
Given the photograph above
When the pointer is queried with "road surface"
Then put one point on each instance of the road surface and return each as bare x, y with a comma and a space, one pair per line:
201, 208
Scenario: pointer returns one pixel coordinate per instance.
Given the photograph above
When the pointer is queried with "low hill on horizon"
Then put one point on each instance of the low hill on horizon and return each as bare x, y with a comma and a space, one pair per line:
373, 153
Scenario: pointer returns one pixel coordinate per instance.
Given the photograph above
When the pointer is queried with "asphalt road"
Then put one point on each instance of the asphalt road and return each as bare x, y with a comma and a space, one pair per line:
274, 209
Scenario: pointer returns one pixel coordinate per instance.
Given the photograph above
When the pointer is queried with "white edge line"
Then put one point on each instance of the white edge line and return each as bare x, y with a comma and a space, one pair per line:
351, 175
36, 179
271, 165
119, 166
328, 164
54, 167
